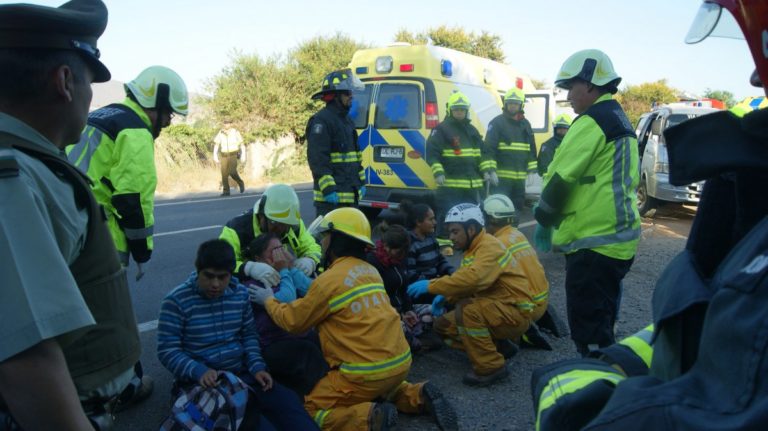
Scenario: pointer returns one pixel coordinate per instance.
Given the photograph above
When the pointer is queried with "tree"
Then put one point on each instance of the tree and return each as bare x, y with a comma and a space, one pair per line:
485, 44
638, 99
721, 95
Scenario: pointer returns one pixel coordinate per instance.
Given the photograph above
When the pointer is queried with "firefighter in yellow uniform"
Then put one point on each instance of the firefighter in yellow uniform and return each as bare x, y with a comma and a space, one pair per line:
360, 337
493, 298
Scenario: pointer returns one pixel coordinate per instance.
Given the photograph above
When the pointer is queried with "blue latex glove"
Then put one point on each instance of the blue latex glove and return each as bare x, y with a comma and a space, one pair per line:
542, 238
361, 192
332, 198
418, 288
438, 306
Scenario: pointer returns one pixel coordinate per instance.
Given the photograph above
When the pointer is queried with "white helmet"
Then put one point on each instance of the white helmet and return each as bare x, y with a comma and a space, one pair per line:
499, 206
463, 213
158, 86
279, 203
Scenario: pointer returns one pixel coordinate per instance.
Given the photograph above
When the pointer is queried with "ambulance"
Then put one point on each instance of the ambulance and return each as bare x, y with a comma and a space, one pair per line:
406, 91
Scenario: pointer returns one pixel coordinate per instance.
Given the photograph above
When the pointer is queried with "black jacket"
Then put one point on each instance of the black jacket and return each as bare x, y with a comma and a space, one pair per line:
453, 150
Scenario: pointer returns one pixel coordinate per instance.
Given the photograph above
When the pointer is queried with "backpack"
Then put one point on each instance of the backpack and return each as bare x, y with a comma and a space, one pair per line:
221, 408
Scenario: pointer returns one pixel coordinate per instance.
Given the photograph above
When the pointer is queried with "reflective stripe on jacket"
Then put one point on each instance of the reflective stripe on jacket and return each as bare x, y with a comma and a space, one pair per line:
454, 150
509, 148
524, 257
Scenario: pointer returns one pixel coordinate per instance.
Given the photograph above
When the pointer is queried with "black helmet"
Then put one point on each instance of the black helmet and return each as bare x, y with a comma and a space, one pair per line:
338, 81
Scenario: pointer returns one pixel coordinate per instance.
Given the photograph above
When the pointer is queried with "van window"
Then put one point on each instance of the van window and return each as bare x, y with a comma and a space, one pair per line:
536, 109
361, 103
398, 106
675, 119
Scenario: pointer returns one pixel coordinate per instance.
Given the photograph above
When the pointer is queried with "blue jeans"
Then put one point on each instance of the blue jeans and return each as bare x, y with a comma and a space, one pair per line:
276, 409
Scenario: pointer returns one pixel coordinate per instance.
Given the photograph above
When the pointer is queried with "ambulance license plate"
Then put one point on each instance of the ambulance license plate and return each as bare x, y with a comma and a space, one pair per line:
388, 153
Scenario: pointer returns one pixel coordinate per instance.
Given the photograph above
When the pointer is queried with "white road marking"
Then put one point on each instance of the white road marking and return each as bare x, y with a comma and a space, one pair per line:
219, 198
215, 226
148, 326
528, 223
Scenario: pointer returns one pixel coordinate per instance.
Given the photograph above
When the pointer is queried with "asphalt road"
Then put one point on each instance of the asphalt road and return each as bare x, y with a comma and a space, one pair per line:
183, 223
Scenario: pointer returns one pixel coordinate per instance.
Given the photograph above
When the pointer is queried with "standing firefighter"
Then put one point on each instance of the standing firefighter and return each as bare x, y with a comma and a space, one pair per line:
509, 152
453, 152
590, 199
332, 151
548, 148
117, 151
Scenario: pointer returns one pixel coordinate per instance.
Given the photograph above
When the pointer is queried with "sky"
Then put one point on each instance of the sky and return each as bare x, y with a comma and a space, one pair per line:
643, 39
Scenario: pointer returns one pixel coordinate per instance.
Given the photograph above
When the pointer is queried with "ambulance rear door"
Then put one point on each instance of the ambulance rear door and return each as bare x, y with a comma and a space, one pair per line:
538, 110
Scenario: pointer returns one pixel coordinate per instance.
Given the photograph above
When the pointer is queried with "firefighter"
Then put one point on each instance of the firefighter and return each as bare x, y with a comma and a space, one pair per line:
509, 153
493, 298
276, 211
360, 336
548, 148
70, 339
453, 153
588, 206
332, 150
116, 150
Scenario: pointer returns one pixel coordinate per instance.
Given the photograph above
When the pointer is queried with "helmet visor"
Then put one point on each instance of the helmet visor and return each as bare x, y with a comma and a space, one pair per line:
711, 21
316, 230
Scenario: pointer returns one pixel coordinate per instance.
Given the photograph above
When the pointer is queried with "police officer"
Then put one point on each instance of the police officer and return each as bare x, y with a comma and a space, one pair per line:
276, 211
453, 153
589, 199
68, 330
332, 151
509, 152
116, 150
548, 148
227, 149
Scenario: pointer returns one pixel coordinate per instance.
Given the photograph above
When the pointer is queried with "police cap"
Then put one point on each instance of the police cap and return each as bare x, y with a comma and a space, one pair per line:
75, 25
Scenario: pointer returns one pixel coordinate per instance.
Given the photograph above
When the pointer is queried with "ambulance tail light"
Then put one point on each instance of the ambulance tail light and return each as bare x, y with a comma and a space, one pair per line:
519, 83
406, 67
432, 117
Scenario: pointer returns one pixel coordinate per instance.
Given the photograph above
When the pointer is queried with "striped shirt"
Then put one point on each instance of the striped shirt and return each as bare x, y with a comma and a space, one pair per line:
196, 333
425, 260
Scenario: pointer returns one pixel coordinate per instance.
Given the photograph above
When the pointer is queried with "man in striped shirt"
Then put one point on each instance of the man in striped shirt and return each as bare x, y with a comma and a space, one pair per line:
206, 326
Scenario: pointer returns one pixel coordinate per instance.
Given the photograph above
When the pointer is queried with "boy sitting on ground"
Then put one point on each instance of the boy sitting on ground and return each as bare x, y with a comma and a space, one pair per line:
206, 327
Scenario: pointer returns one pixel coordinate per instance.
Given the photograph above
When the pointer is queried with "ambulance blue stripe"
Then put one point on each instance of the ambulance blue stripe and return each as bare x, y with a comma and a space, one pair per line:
416, 139
362, 139
373, 177
405, 173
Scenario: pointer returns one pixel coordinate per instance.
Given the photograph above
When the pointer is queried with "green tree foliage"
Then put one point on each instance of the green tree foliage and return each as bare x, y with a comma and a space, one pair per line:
721, 95
485, 44
638, 99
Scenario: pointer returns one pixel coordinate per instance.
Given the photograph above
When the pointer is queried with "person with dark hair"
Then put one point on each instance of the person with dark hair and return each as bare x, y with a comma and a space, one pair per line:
359, 334
69, 335
295, 360
424, 260
494, 302
206, 327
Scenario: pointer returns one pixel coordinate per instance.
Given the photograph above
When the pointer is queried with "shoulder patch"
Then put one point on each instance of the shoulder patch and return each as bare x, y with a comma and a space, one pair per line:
9, 167
317, 128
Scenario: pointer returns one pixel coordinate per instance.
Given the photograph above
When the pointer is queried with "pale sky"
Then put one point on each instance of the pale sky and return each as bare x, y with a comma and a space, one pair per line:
644, 39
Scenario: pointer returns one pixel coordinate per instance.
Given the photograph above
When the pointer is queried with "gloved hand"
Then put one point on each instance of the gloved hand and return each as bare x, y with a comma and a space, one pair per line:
487, 176
418, 288
493, 178
361, 192
438, 306
260, 295
332, 198
305, 265
440, 180
542, 238
263, 273
242, 155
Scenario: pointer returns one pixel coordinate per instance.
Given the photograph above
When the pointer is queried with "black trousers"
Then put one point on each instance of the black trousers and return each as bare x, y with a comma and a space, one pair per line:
593, 292
296, 363
514, 190
229, 169
446, 198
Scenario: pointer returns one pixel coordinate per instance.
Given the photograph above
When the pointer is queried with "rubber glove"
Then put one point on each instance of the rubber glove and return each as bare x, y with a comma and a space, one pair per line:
361, 193
494, 178
440, 180
260, 295
305, 265
332, 198
418, 288
542, 238
263, 273
438, 306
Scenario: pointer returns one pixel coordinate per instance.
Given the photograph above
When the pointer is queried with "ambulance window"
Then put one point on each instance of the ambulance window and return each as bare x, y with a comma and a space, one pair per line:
361, 103
398, 107
536, 109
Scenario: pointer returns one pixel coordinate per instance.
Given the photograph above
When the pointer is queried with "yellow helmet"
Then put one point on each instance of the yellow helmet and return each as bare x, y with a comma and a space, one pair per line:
348, 221
458, 101
157, 86
279, 203
515, 95
591, 65
563, 120
498, 206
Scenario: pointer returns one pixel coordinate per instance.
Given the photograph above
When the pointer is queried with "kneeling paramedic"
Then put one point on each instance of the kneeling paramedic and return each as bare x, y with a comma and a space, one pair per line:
360, 335
493, 298
277, 211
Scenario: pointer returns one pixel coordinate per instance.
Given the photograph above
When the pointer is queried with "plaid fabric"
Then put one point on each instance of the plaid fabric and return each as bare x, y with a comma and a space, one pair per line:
208, 409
